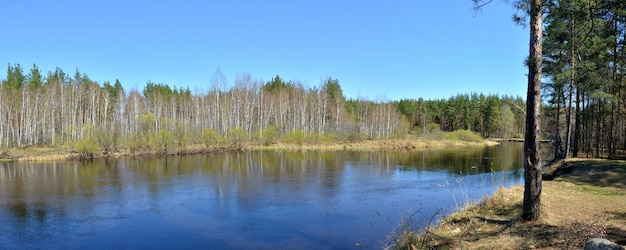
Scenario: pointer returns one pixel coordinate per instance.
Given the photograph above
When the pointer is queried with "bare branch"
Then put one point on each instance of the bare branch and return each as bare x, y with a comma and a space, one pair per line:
479, 4
518, 107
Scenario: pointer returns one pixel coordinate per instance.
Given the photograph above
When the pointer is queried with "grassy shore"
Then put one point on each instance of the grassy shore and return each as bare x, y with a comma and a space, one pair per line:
585, 199
67, 152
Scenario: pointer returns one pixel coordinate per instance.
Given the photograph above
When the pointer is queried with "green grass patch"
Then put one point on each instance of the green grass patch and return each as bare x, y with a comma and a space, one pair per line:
607, 191
466, 135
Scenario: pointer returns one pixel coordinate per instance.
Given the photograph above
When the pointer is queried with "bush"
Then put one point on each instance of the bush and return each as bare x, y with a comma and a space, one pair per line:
87, 148
450, 136
417, 131
434, 135
107, 140
433, 127
164, 141
135, 142
182, 136
349, 133
401, 131
236, 137
328, 138
210, 138
297, 137
314, 138
269, 135
468, 136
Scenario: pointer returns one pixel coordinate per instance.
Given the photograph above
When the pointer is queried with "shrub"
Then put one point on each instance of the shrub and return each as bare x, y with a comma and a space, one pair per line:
417, 131
450, 136
87, 148
314, 138
349, 133
328, 138
269, 135
182, 135
433, 135
468, 136
210, 137
401, 131
164, 140
107, 140
135, 142
236, 137
296, 137
433, 127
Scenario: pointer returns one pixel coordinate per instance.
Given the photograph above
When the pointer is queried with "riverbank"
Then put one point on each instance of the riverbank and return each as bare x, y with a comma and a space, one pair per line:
585, 199
68, 152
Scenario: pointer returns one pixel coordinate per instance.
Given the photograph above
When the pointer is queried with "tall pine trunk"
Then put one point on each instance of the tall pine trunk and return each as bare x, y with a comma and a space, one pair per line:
532, 158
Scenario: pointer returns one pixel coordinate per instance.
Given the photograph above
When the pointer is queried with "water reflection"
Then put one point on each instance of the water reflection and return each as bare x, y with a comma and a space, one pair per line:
271, 199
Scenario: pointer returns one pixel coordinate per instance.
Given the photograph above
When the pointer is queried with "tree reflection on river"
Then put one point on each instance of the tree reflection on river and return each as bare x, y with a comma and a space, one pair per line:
258, 199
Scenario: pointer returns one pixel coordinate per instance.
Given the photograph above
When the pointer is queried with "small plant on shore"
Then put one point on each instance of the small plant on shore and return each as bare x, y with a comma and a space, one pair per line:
211, 138
297, 137
413, 232
164, 141
236, 137
269, 135
86, 148
5, 155
108, 140
468, 136
328, 138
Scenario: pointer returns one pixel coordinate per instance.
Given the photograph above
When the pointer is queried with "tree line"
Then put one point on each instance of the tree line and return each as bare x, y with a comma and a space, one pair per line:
584, 67
56, 108
489, 115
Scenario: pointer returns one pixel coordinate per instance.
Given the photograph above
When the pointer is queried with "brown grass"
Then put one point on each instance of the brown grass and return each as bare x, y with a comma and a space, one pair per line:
574, 207
382, 144
66, 152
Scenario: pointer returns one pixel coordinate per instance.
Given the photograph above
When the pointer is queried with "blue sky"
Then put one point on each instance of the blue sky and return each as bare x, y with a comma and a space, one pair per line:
379, 50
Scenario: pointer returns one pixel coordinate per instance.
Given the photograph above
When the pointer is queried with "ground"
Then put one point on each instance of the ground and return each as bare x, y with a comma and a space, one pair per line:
65, 152
585, 199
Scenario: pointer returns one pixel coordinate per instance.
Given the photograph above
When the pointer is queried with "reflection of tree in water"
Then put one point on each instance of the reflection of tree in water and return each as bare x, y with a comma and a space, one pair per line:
22, 211
464, 160
19, 210
222, 186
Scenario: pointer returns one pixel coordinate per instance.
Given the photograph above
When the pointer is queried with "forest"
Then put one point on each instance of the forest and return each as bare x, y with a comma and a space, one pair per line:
491, 116
59, 109
584, 94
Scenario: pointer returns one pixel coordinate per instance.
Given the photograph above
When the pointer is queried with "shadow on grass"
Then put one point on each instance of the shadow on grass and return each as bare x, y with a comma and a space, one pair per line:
596, 172
541, 235
525, 235
476, 229
616, 235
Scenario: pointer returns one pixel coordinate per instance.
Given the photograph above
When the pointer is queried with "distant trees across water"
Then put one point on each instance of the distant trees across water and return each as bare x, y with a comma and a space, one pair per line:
57, 109
488, 115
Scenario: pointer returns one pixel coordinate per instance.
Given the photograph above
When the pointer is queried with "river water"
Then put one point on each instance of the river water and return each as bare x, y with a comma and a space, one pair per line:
258, 199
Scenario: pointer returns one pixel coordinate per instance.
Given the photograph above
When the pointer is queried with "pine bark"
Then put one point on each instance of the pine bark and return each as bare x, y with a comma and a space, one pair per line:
532, 157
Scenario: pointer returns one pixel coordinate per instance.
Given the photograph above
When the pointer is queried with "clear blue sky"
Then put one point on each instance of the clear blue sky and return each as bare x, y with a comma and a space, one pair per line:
379, 50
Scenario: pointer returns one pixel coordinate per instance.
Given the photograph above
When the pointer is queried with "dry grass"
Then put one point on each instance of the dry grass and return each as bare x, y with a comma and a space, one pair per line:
382, 144
574, 208
66, 152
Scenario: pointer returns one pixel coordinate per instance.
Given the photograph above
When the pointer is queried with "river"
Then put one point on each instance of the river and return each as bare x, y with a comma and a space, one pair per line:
256, 199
